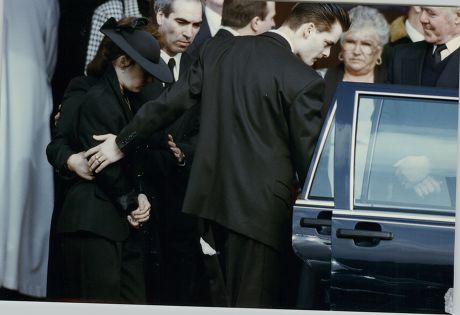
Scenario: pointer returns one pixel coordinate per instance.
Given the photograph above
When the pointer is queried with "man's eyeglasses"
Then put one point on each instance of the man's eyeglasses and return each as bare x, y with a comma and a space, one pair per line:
366, 47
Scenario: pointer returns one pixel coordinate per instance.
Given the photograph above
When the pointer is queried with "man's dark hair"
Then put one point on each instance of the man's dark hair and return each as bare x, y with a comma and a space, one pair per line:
323, 15
238, 13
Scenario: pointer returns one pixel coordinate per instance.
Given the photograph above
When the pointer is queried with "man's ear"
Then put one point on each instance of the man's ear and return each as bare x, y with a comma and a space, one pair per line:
457, 16
255, 24
160, 17
308, 29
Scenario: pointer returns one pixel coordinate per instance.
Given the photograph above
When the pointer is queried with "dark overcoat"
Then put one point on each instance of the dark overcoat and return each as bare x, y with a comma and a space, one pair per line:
260, 119
406, 66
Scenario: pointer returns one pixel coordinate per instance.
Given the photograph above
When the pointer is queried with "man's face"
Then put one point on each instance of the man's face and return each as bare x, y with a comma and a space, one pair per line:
438, 24
313, 45
269, 22
179, 28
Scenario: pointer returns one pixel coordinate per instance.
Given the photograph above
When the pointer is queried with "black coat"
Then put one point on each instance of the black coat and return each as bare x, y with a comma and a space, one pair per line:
101, 206
63, 144
260, 118
406, 66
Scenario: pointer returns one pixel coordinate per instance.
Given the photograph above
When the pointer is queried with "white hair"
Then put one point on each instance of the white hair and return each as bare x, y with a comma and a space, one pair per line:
368, 18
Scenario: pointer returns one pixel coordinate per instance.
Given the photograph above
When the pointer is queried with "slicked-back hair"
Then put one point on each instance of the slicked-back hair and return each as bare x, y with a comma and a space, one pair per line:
323, 15
238, 13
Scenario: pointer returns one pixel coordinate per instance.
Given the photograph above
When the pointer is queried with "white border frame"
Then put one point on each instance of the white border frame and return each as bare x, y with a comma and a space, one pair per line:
51, 308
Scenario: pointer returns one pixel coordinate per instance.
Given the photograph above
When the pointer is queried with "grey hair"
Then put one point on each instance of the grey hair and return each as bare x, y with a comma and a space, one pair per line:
165, 6
363, 17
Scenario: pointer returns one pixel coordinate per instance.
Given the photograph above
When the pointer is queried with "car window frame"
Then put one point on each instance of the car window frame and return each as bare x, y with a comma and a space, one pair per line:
415, 212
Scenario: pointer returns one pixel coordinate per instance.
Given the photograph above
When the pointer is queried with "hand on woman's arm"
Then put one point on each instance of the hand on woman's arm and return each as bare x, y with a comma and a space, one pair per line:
103, 154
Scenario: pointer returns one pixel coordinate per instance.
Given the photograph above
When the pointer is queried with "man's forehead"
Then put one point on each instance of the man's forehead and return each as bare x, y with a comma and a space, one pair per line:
189, 10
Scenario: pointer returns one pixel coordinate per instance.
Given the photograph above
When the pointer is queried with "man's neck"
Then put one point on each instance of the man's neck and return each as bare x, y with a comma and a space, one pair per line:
168, 53
288, 34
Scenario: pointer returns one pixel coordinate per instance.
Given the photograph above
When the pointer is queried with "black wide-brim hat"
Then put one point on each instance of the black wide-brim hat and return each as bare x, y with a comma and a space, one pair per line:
139, 45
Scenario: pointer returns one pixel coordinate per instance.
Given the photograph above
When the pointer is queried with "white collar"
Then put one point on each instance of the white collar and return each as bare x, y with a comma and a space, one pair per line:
164, 55
285, 37
414, 35
451, 45
214, 19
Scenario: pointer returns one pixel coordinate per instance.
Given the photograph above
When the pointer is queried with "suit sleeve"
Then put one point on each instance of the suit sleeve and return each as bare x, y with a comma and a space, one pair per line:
62, 145
100, 116
305, 121
157, 114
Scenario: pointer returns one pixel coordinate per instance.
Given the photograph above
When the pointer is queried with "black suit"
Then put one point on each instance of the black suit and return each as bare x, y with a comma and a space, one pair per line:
102, 255
173, 269
407, 65
260, 118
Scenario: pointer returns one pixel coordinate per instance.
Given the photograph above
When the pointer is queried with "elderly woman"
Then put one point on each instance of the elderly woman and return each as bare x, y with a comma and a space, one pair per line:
361, 51
99, 220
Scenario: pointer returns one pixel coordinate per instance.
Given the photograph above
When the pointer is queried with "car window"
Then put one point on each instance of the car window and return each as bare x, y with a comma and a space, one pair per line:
323, 182
405, 153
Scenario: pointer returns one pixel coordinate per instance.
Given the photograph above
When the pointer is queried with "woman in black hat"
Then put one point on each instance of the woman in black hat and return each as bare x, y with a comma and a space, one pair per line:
99, 222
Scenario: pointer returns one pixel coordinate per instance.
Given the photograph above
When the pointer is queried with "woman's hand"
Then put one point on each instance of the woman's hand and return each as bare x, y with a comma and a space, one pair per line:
141, 214
78, 164
178, 154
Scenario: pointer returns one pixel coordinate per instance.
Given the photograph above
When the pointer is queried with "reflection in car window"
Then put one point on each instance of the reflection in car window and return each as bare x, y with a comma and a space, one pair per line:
323, 181
406, 153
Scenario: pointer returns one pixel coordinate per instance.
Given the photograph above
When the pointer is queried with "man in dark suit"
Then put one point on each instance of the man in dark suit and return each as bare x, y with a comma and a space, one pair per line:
178, 279
260, 118
434, 61
245, 17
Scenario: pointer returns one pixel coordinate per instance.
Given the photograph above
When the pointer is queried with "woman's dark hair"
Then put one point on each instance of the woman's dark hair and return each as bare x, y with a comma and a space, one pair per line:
107, 52
238, 13
323, 15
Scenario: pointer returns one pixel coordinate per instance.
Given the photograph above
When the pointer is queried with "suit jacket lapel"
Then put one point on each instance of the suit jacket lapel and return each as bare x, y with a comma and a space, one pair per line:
449, 76
185, 62
112, 81
413, 64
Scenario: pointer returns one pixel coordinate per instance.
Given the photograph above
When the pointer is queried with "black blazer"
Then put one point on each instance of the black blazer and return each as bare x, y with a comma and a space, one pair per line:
63, 145
101, 206
406, 66
260, 118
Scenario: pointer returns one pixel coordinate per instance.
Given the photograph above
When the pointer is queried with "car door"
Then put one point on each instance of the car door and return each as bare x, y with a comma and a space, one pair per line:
393, 222
311, 225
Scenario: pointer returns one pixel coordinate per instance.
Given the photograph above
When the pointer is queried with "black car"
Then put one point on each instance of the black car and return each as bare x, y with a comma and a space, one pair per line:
375, 222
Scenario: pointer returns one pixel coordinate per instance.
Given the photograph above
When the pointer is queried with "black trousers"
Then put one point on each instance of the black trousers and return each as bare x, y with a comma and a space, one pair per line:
100, 270
245, 272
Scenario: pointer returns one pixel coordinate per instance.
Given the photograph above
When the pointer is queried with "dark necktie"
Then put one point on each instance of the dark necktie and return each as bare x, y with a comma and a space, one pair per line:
437, 53
171, 65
